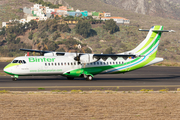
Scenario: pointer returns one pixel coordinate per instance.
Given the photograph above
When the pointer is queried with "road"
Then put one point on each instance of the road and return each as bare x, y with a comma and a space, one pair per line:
152, 77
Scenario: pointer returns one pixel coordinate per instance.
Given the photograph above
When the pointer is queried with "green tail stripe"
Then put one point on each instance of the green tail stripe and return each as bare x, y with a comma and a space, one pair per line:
153, 35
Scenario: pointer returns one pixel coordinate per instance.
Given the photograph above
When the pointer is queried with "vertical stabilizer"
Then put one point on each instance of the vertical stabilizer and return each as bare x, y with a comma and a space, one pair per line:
150, 45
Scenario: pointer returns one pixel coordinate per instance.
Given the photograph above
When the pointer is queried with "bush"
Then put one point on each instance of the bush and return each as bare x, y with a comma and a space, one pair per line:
110, 26
83, 28
87, 50
64, 28
30, 35
108, 51
56, 35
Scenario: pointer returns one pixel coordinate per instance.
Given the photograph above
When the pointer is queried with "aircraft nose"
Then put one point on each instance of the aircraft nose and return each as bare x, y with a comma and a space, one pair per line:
7, 69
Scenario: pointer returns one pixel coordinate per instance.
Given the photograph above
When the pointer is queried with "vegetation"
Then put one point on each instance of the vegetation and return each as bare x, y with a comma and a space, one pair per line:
110, 26
48, 4
109, 51
84, 28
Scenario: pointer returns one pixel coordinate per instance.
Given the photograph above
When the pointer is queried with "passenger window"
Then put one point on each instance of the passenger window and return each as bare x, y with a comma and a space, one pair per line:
71, 63
24, 61
20, 61
68, 63
45, 64
122, 62
15, 61
49, 64
55, 64
113, 63
52, 63
107, 63
58, 63
110, 63
119, 62
97, 63
74, 63
62, 64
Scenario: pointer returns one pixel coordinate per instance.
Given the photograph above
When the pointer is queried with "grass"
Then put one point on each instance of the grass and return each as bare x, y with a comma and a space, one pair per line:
76, 91
4, 91
146, 90
164, 90
56, 91
41, 88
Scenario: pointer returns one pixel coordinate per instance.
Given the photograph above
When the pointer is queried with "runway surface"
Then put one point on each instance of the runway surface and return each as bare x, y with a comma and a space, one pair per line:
152, 77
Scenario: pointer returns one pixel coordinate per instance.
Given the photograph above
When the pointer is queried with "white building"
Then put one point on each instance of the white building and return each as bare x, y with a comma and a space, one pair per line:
49, 10
120, 20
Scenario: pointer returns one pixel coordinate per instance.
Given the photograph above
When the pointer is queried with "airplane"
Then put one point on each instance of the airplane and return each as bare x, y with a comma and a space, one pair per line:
86, 65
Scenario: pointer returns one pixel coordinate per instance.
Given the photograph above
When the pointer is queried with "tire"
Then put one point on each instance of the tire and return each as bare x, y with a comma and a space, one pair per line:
14, 79
89, 78
70, 78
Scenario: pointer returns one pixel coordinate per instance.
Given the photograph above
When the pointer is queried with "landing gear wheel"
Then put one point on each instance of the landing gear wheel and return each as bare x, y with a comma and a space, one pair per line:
14, 79
89, 78
70, 78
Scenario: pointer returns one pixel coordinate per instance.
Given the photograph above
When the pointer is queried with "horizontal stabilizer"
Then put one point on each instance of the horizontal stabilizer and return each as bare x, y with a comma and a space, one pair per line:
157, 30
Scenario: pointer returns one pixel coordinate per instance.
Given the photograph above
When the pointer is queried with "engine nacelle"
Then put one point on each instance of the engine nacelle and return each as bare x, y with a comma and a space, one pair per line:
87, 58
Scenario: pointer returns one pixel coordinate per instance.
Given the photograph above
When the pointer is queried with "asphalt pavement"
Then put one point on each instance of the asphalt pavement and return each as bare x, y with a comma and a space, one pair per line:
151, 77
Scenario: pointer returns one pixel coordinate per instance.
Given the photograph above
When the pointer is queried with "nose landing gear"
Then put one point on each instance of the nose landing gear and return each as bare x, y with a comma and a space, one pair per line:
14, 78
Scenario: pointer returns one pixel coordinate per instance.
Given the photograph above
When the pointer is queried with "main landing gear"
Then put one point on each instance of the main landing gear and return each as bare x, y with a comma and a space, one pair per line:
89, 78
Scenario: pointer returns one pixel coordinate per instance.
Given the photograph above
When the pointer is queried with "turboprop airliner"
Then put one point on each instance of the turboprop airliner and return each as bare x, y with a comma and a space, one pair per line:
86, 65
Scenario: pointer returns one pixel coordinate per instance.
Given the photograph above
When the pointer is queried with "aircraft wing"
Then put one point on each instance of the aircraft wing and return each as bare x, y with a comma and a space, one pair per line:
114, 56
41, 51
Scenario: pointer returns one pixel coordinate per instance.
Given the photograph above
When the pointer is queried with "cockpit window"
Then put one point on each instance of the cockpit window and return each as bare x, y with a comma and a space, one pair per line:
15, 61
19, 61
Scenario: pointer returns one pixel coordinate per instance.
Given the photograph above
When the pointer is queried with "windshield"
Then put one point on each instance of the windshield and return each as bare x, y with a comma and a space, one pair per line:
19, 61
15, 61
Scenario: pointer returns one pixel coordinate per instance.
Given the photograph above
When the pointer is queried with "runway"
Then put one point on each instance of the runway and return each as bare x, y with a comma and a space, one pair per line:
152, 77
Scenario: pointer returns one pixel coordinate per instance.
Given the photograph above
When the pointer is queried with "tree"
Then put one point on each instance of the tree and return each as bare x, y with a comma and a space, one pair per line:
56, 35
30, 35
3, 31
64, 28
83, 28
33, 24
108, 51
110, 26
87, 50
